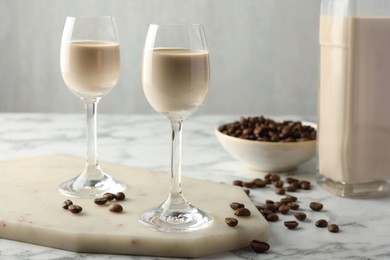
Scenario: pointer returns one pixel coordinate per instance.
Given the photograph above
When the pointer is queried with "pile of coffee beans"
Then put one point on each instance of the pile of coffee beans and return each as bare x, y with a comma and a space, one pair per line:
115, 207
287, 205
260, 128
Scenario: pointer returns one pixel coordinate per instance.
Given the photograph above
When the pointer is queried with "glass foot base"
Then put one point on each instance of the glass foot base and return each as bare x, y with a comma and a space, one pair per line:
166, 220
84, 187
376, 188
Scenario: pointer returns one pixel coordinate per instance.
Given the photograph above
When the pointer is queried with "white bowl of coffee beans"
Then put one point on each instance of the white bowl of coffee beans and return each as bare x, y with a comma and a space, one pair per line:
268, 145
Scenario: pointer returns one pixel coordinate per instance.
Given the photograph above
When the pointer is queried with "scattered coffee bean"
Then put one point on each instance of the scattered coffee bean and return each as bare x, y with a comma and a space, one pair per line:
299, 215
100, 201
291, 224
270, 207
66, 204
231, 222
274, 177
242, 212
272, 217
296, 185
284, 209
260, 183
286, 200
109, 196
278, 184
259, 208
291, 180
266, 212
119, 196
259, 247
248, 184
237, 183
292, 198
291, 188
333, 228
116, 208
305, 185
236, 205
269, 202
247, 191
75, 208
278, 204
316, 206
293, 205
280, 191
321, 223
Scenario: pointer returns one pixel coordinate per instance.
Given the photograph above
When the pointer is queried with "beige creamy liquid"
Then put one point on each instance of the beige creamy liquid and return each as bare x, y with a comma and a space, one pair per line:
90, 68
175, 80
354, 124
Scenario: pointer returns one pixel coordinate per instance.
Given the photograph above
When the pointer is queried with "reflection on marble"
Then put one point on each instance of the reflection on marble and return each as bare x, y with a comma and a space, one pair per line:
144, 141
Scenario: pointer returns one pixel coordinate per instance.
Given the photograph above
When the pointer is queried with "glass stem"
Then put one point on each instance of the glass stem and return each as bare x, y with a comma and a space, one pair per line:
176, 191
92, 166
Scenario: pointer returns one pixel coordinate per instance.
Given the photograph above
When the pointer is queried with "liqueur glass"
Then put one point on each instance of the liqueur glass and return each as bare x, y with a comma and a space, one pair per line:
175, 80
90, 62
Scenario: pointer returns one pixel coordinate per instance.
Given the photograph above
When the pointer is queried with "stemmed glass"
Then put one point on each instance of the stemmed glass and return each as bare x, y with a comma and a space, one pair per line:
90, 62
175, 79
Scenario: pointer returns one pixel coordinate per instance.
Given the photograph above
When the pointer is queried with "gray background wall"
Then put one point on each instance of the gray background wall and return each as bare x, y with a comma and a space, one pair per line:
264, 53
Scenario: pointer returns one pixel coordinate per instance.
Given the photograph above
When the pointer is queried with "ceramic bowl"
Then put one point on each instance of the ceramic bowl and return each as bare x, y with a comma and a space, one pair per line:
268, 156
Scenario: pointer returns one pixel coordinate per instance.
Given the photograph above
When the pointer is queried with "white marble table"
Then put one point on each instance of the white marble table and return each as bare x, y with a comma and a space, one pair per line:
144, 141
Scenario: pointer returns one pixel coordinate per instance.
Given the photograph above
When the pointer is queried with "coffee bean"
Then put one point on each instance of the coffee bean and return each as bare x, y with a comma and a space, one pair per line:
236, 205
280, 191
305, 185
259, 247
75, 208
284, 209
260, 183
291, 224
66, 204
274, 177
299, 215
292, 198
242, 212
272, 217
278, 184
109, 196
286, 200
291, 180
291, 188
278, 204
293, 205
248, 184
269, 202
333, 228
100, 201
237, 183
119, 196
231, 222
316, 206
115, 208
321, 223
296, 185
270, 207
266, 212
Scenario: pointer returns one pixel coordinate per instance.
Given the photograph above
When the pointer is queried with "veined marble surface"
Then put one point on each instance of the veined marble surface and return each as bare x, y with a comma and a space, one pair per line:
144, 141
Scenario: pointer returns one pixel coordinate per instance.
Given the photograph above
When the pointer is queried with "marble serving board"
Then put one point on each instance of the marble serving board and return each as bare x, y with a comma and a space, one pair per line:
31, 211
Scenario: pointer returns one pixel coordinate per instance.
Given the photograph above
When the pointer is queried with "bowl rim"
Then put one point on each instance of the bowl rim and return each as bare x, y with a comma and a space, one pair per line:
236, 139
